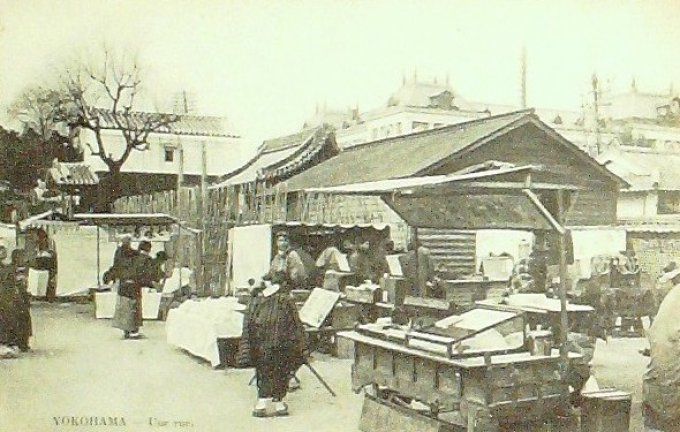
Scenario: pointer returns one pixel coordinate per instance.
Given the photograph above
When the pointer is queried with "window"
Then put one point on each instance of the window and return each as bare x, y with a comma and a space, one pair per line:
669, 202
418, 126
169, 154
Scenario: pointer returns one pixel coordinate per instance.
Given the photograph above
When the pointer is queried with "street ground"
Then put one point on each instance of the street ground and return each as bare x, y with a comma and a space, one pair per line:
80, 367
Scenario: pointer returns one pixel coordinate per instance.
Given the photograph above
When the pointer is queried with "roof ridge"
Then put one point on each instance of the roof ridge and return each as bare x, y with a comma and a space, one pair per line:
311, 131
526, 111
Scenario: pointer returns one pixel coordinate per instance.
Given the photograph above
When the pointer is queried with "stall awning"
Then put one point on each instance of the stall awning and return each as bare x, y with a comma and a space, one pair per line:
292, 224
483, 180
480, 200
121, 219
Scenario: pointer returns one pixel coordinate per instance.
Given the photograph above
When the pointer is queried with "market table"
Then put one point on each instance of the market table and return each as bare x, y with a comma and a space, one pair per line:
105, 304
198, 325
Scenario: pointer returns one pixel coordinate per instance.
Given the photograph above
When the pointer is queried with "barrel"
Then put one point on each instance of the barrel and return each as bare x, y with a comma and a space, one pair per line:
605, 411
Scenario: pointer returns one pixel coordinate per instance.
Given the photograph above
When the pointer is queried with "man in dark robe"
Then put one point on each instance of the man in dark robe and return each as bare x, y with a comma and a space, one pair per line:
538, 269
46, 260
123, 252
273, 340
8, 321
22, 301
416, 265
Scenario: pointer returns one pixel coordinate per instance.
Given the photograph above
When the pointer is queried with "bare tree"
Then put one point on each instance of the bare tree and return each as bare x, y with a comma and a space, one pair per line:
101, 97
37, 109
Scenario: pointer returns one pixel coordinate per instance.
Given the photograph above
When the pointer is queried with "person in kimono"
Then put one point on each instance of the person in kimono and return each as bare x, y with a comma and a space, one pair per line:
46, 259
22, 302
288, 261
273, 341
122, 252
661, 383
135, 271
8, 322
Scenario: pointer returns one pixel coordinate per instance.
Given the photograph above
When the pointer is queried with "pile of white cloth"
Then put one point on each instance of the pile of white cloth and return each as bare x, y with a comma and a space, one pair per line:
197, 324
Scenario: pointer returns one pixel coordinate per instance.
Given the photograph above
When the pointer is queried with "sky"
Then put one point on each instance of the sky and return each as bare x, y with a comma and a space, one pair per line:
265, 65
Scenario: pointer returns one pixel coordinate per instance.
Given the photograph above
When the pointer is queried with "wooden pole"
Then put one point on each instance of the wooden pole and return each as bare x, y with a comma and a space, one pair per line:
180, 180
201, 210
98, 259
564, 319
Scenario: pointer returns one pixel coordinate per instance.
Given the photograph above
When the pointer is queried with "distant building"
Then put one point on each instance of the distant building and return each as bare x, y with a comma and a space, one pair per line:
414, 107
171, 152
654, 176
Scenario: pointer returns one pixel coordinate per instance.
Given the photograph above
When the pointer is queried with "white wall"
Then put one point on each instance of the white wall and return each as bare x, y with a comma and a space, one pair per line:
637, 205
223, 153
396, 121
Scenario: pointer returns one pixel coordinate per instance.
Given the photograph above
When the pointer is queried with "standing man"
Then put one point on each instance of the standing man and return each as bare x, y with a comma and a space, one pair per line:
288, 261
417, 267
46, 260
661, 385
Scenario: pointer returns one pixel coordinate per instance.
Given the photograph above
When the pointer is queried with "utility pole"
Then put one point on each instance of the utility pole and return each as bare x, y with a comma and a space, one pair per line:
523, 78
596, 113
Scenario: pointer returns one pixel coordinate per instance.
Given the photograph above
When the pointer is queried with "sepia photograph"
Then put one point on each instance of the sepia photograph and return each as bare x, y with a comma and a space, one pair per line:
339, 216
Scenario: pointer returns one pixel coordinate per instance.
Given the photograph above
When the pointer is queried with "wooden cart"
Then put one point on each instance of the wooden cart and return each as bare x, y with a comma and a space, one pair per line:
466, 392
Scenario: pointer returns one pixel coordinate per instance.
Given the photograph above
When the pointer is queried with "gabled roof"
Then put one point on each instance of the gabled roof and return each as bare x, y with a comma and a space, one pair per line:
422, 152
284, 156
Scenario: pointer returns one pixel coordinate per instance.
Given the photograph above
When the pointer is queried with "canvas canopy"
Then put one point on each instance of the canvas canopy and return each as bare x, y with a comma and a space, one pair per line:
114, 219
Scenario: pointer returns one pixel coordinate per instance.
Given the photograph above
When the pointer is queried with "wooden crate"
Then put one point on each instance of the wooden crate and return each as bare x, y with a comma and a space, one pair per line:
360, 295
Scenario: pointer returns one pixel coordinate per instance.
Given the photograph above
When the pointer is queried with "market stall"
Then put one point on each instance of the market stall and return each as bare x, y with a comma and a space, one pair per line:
70, 249
108, 229
477, 390
252, 247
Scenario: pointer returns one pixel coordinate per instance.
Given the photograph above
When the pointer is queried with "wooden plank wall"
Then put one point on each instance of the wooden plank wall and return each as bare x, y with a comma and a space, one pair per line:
451, 249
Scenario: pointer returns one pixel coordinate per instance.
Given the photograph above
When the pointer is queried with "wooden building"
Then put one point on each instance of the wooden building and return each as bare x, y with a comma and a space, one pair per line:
514, 139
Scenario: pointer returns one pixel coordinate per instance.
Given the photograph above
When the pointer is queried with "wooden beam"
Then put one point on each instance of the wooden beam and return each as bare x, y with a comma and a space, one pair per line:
539, 205
564, 318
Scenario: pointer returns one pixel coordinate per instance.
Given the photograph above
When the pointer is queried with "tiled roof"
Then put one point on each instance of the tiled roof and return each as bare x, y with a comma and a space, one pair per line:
288, 141
283, 156
184, 124
77, 174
